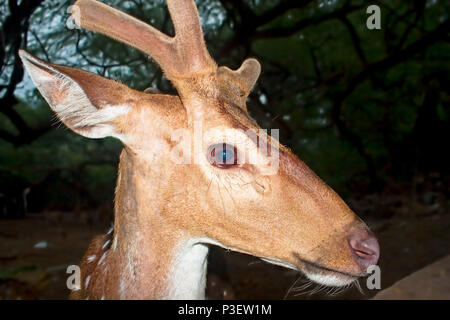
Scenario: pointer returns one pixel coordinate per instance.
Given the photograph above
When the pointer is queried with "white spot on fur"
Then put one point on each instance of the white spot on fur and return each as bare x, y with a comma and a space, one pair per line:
102, 258
122, 288
91, 258
106, 244
115, 243
86, 282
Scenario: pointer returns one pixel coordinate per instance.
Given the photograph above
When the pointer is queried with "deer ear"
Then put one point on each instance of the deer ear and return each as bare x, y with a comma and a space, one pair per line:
249, 73
239, 83
86, 103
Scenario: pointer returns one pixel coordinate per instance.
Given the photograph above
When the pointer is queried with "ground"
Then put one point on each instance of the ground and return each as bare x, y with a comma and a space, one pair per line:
35, 252
431, 282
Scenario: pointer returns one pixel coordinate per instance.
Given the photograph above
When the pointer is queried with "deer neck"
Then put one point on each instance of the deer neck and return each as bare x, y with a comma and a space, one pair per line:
149, 257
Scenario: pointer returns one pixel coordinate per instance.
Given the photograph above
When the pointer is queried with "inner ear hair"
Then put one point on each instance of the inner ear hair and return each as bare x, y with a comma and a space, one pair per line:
86, 103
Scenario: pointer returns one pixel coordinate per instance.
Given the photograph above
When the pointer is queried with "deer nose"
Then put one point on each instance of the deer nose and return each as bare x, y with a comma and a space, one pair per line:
365, 247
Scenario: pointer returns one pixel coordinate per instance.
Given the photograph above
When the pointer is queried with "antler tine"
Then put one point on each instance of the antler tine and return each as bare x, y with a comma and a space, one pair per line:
179, 56
189, 35
99, 17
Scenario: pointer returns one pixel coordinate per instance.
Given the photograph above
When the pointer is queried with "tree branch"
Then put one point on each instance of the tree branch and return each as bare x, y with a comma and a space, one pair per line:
16, 26
397, 57
302, 24
355, 39
279, 10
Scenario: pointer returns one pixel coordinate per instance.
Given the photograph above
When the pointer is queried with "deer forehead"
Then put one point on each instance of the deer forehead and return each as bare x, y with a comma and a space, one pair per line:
167, 113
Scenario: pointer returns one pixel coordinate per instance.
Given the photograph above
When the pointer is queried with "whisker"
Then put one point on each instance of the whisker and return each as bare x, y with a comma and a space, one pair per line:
291, 287
358, 286
302, 290
303, 286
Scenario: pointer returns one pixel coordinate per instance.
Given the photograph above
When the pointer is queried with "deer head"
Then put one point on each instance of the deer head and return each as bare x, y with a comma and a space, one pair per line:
196, 169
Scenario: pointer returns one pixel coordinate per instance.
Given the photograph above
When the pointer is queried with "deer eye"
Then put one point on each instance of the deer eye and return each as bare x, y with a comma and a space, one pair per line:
222, 155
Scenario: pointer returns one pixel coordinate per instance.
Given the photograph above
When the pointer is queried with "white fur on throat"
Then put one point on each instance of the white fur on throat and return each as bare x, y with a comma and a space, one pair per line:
188, 274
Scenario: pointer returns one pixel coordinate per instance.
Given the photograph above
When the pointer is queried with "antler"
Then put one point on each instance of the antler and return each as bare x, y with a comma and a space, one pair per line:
180, 56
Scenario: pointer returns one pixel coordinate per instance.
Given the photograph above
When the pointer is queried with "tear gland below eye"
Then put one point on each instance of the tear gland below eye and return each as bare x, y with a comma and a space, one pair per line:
222, 155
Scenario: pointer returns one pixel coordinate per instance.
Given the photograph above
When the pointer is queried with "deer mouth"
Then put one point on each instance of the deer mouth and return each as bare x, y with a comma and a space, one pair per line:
324, 275
318, 273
